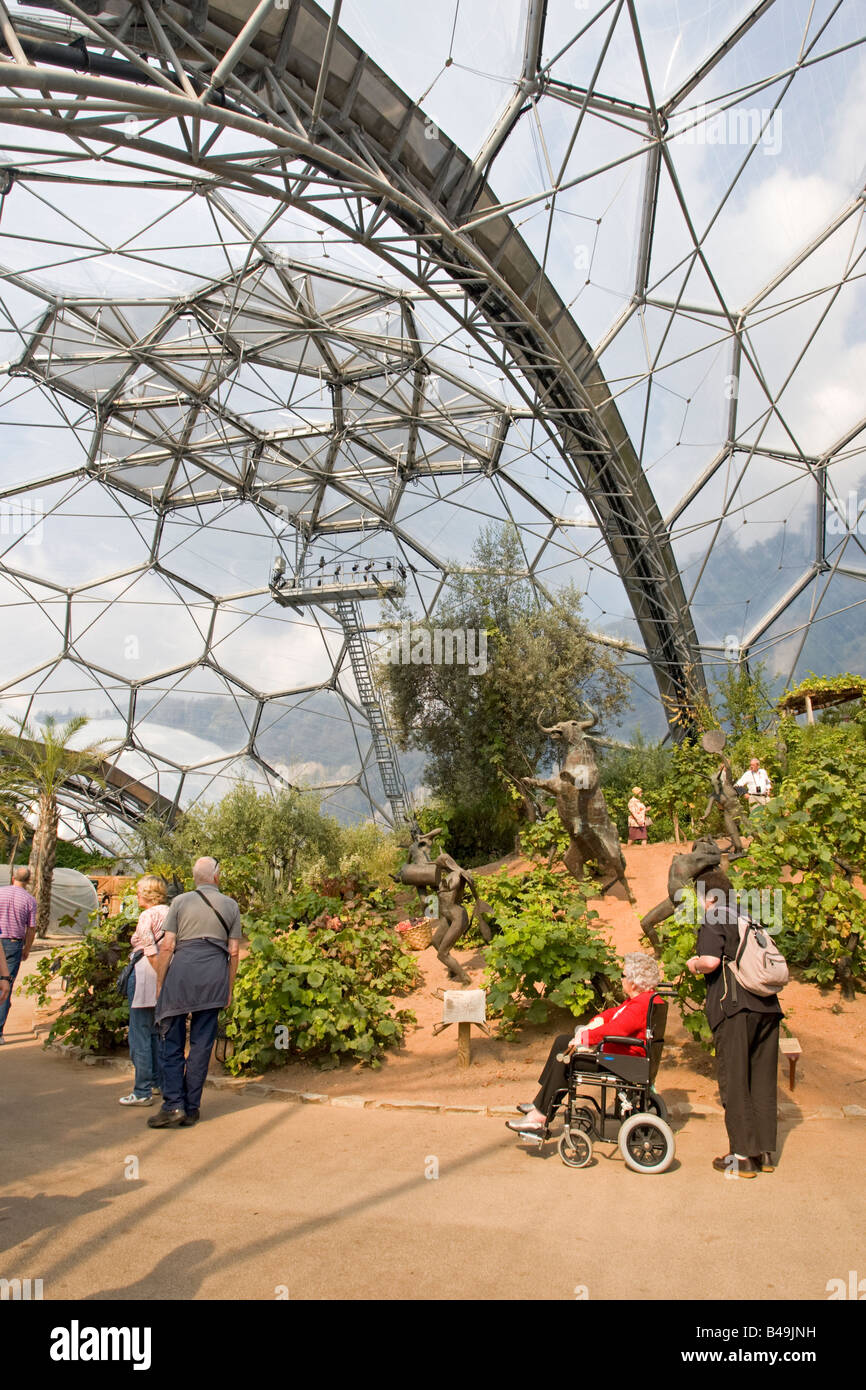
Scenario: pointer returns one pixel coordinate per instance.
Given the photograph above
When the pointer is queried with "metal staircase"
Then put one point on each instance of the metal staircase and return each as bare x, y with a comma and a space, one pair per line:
383, 740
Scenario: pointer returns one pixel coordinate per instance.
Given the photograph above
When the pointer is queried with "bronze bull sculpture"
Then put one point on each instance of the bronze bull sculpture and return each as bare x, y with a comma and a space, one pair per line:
593, 837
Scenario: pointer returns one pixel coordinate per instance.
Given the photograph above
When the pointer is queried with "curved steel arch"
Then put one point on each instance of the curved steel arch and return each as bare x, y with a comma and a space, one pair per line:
349, 122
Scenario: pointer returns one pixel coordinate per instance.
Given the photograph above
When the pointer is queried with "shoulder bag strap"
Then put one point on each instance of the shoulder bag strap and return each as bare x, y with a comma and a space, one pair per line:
217, 913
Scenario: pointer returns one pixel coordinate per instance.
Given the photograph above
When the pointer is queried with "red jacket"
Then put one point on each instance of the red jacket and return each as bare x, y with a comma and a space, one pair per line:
626, 1020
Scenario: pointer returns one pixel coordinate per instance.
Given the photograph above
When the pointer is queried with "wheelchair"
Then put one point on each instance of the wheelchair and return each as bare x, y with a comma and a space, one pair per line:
629, 1111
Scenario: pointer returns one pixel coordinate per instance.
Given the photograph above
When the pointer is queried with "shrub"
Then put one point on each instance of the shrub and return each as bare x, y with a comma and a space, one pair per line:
547, 953
677, 942
686, 790
318, 992
545, 839
816, 830
93, 1016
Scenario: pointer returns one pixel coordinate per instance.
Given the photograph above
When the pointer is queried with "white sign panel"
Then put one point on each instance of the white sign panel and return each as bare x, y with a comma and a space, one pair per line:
464, 1006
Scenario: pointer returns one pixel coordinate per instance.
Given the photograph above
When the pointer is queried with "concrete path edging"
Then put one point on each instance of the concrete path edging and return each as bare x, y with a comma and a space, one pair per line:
241, 1085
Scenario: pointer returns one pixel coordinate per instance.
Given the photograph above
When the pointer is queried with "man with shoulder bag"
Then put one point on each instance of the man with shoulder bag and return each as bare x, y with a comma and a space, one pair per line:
196, 968
744, 972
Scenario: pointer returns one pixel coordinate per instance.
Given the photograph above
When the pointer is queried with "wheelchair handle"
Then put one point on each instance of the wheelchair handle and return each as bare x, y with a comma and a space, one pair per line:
631, 1041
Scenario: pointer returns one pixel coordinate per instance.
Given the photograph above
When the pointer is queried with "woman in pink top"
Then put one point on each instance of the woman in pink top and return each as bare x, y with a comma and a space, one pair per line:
638, 820
143, 1034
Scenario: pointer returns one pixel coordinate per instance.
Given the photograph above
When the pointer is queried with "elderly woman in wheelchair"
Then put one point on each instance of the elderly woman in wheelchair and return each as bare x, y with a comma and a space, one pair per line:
618, 1051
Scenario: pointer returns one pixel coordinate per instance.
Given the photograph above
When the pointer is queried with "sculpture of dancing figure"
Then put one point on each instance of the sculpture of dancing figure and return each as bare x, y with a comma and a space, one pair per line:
419, 871
723, 793
685, 868
444, 877
581, 805
453, 917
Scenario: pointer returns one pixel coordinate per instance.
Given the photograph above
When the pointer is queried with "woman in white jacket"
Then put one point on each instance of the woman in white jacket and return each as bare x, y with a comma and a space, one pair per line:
143, 1034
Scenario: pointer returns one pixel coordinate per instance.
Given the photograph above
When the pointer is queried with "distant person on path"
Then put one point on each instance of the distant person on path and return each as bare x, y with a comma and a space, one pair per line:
144, 1045
17, 931
757, 784
638, 819
196, 966
745, 1033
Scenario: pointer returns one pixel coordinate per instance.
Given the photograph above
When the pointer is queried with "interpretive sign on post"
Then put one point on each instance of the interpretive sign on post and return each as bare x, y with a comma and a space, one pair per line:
464, 1006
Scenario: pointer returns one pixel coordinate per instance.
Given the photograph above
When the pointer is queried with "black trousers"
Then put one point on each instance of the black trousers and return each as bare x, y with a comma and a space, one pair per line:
747, 1048
552, 1079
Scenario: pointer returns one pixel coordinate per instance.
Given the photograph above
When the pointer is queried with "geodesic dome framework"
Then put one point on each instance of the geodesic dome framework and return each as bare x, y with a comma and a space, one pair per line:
267, 292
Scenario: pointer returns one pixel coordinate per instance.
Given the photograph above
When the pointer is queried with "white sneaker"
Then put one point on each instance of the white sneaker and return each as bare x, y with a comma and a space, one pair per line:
133, 1099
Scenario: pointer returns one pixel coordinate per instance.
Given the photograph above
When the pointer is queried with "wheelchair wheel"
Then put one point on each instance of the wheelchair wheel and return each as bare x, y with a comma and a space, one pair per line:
656, 1106
646, 1143
582, 1118
575, 1148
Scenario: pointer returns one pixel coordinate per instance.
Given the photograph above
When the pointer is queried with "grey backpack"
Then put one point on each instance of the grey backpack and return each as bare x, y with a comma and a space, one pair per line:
759, 965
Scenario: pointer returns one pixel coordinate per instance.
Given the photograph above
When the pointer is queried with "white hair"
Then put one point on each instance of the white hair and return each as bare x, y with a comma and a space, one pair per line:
204, 870
642, 969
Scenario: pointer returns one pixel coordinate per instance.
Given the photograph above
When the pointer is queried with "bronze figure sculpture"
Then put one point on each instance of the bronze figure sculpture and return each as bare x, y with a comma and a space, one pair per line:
444, 877
419, 871
593, 837
453, 917
723, 793
685, 868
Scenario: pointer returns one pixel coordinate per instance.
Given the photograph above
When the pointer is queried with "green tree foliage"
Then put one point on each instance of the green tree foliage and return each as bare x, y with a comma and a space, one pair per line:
15, 795
744, 705
677, 942
545, 839
478, 731
807, 842
267, 844
686, 789
803, 839
547, 951
42, 761
740, 704
74, 856
319, 992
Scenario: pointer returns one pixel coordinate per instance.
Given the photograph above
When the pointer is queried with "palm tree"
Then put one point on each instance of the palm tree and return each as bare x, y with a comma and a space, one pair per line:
42, 761
13, 804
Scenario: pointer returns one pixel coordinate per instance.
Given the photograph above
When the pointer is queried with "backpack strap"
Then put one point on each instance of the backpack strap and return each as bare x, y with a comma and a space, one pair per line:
215, 910
728, 975
745, 941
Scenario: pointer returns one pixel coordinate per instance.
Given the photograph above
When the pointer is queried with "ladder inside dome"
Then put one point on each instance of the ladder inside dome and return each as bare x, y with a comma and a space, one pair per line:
383, 741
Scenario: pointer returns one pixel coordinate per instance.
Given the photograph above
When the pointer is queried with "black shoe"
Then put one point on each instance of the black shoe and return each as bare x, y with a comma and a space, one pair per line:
190, 1118
167, 1119
526, 1107
764, 1163
734, 1167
